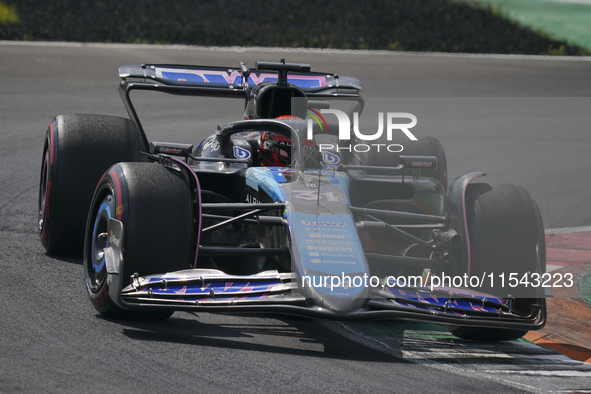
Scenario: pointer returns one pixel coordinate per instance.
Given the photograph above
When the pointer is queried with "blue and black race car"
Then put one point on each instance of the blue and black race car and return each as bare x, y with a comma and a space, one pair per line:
286, 211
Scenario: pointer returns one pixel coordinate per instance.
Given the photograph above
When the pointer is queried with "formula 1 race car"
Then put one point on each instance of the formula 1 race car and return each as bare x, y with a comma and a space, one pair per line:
286, 211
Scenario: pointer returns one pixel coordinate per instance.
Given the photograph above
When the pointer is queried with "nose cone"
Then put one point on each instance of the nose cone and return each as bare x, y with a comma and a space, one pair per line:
330, 262
326, 253
340, 294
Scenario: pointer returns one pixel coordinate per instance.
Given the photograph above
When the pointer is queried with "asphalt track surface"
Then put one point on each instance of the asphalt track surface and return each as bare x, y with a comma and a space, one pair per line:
525, 120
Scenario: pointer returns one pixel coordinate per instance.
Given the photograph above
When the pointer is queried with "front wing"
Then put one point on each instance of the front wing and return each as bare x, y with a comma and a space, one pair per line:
211, 290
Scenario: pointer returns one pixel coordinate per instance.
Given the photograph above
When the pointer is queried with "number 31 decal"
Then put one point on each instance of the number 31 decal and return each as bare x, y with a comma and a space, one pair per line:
313, 195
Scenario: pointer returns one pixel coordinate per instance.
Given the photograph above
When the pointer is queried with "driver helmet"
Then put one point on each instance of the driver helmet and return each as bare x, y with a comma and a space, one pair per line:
274, 149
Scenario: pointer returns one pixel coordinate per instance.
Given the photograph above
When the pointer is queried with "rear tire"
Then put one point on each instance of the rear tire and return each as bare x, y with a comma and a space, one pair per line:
78, 150
506, 236
154, 204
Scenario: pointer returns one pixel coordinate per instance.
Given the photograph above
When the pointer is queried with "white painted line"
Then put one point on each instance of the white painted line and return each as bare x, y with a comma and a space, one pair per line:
587, 2
554, 358
553, 267
237, 49
567, 230
574, 374
451, 354
374, 343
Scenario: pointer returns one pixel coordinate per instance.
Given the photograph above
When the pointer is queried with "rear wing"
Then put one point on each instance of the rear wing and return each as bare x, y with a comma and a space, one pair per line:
231, 79
226, 82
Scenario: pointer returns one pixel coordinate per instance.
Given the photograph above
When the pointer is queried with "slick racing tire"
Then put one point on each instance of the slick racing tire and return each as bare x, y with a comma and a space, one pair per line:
506, 236
154, 205
78, 150
424, 146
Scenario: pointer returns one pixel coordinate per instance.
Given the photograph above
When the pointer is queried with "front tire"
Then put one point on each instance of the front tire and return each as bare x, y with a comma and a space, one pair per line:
154, 205
506, 236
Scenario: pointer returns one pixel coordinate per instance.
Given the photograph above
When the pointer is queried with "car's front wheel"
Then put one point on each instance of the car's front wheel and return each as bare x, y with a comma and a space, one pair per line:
154, 205
506, 238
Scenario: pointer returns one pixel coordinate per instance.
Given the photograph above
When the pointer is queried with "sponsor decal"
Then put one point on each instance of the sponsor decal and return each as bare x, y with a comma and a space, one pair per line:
252, 199
114, 240
170, 151
259, 178
333, 252
327, 242
241, 153
336, 255
330, 236
311, 195
424, 164
330, 158
330, 248
326, 261
234, 77
343, 230
323, 224
213, 145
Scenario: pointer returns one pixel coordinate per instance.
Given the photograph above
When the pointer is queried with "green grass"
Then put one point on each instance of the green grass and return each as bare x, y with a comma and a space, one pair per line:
585, 288
400, 328
8, 15
557, 19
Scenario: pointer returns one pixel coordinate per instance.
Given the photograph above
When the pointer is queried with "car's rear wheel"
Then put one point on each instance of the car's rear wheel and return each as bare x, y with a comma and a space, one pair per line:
506, 236
154, 205
78, 150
